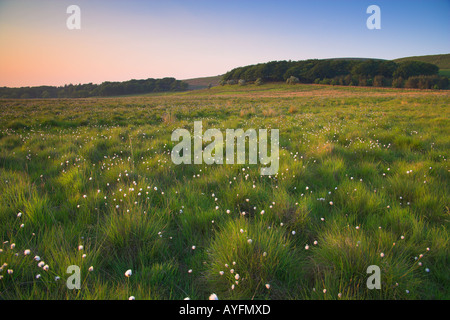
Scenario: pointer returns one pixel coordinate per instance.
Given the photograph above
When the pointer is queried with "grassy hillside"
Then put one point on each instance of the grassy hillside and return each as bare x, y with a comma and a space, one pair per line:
363, 180
441, 60
445, 72
202, 83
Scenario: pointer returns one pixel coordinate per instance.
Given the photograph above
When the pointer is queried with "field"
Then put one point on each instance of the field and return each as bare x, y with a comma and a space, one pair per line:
363, 180
202, 83
445, 72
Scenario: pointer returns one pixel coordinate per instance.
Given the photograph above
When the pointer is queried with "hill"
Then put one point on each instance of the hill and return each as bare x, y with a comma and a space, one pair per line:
343, 71
202, 83
354, 59
441, 60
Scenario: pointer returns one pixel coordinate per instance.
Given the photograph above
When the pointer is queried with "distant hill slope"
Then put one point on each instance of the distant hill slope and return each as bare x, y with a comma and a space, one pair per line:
441, 60
354, 59
202, 83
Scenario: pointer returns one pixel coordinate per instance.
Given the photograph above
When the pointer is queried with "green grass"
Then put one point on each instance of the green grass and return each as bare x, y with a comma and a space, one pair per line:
363, 180
441, 60
203, 83
444, 72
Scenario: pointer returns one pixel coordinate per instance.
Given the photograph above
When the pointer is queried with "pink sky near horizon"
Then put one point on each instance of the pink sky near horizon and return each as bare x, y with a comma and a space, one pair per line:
45, 52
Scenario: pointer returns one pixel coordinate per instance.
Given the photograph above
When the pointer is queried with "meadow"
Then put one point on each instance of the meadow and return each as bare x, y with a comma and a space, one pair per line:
363, 180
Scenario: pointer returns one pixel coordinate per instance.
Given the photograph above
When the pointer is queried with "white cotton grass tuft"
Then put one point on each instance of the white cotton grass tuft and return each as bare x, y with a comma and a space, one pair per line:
213, 296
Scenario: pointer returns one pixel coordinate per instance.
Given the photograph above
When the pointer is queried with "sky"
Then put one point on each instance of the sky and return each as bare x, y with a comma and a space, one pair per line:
123, 40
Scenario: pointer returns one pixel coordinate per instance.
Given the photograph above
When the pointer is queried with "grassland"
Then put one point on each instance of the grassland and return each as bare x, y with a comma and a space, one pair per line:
202, 83
363, 180
441, 60
445, 72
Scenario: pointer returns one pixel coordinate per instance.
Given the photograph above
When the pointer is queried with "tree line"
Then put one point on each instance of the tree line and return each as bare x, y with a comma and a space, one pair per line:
354, 72
105, 89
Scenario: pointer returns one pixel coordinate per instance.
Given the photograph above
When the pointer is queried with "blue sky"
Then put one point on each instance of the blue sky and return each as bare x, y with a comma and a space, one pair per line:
121, 40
